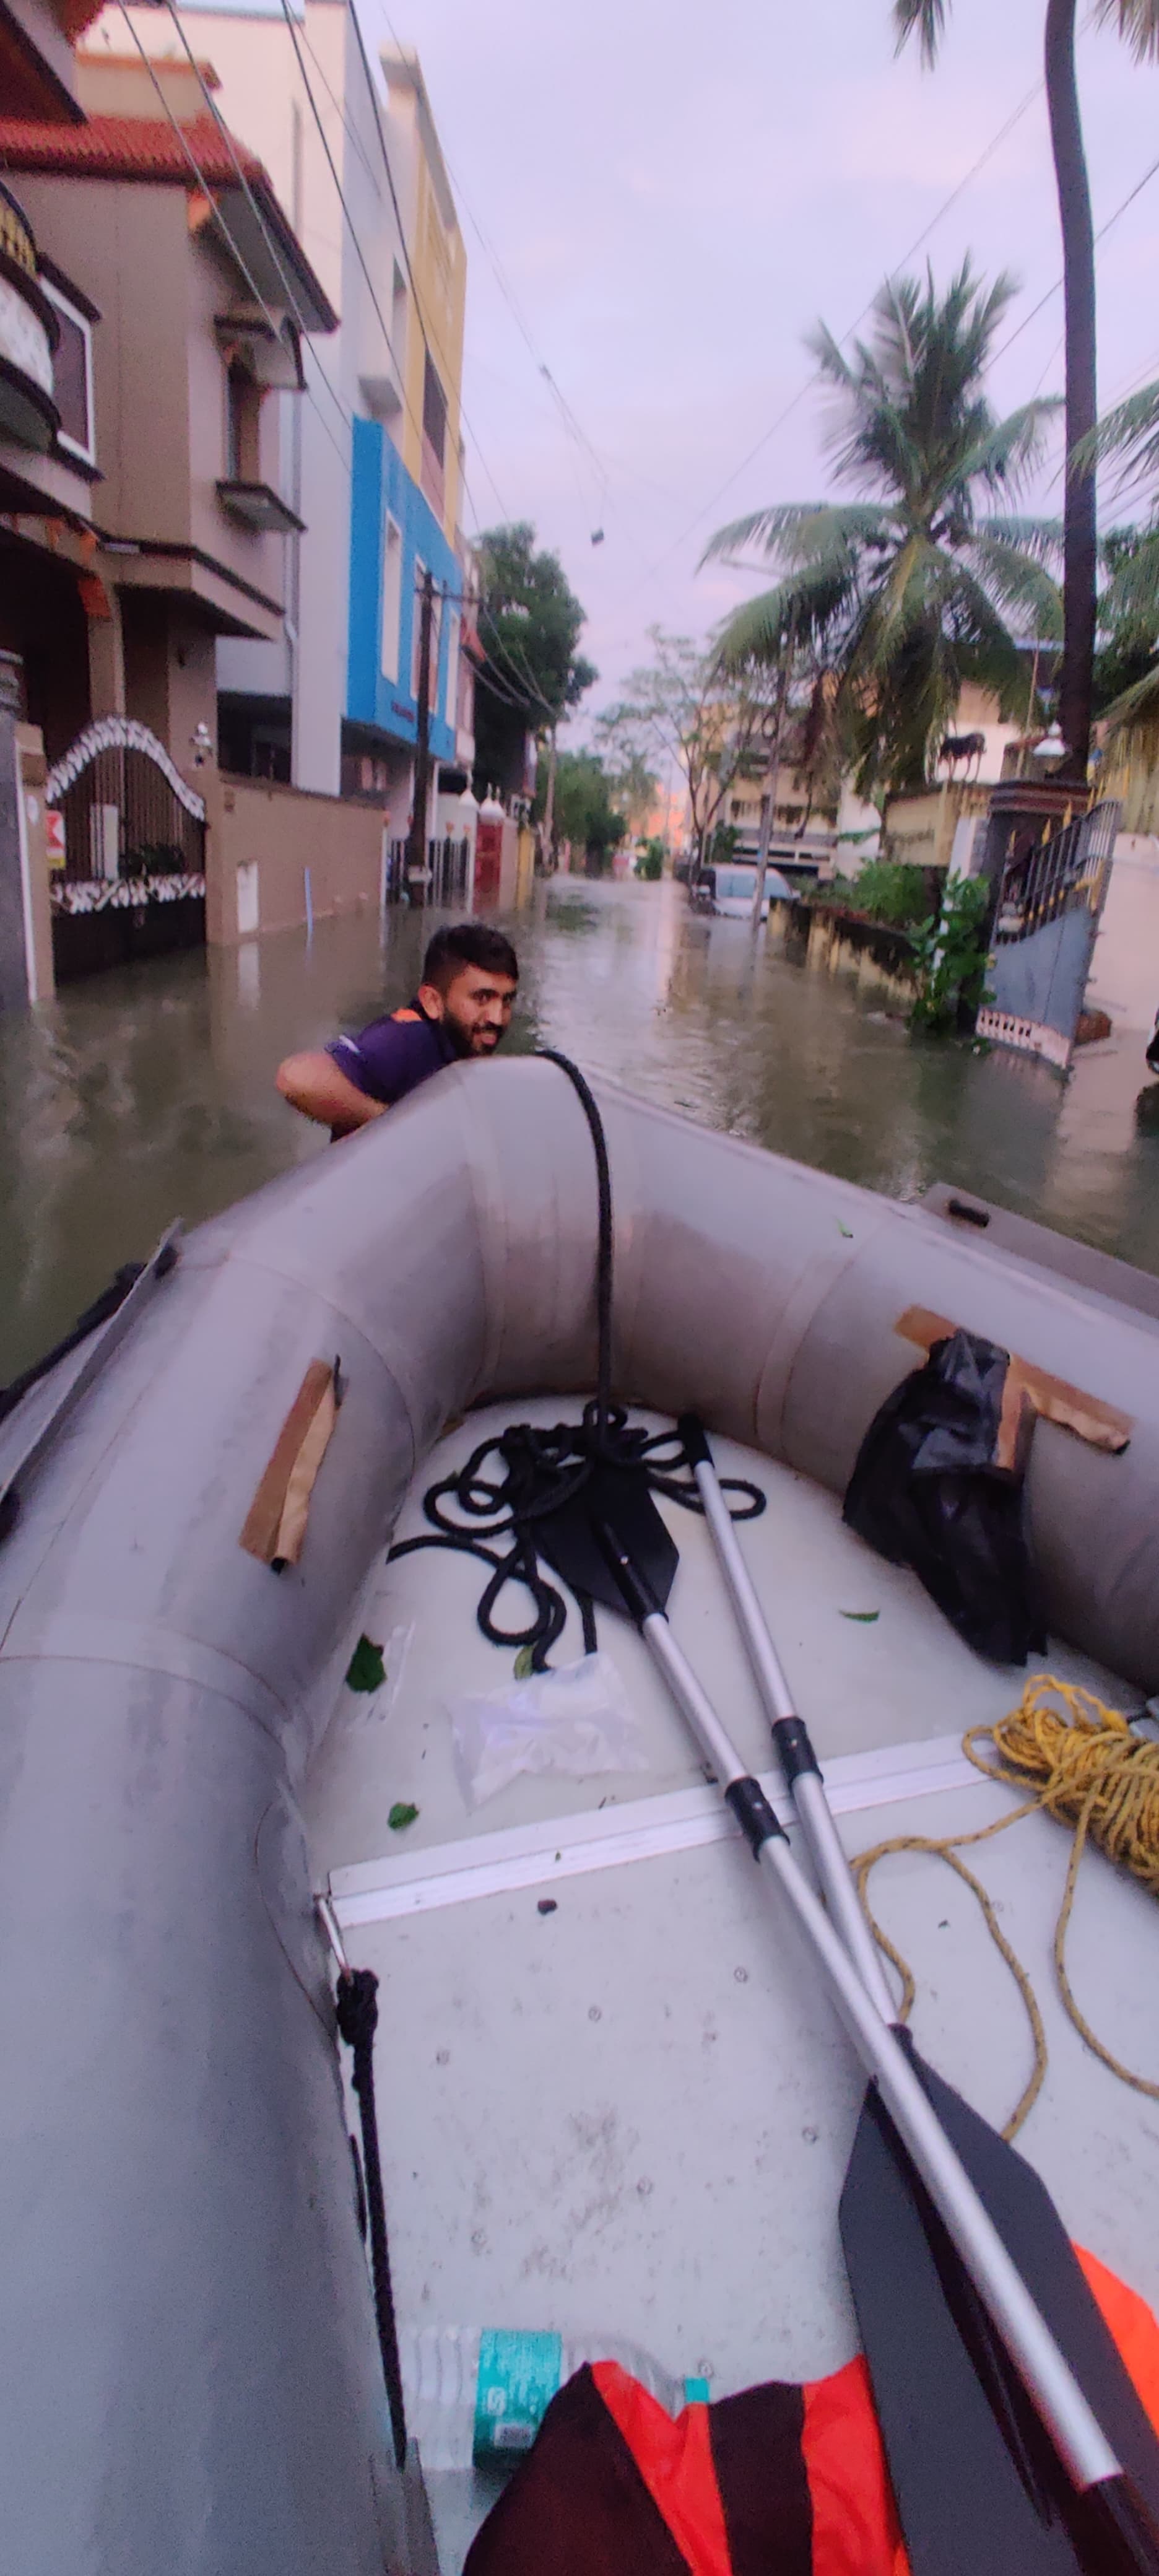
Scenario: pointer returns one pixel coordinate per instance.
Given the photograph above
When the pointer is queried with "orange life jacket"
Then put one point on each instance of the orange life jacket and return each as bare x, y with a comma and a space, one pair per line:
779, 2481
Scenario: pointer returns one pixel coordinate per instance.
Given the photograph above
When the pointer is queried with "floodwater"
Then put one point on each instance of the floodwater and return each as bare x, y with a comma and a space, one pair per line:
144, 1095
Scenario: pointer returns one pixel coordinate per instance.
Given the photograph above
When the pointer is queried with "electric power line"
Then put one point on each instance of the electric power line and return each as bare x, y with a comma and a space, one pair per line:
350, 223
524, 677
259, 218
1052, 291
255, 290
790, 407
426, 337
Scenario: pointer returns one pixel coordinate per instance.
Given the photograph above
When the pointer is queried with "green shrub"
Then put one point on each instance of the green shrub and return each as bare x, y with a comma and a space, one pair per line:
887, 890
650, 861
950, 954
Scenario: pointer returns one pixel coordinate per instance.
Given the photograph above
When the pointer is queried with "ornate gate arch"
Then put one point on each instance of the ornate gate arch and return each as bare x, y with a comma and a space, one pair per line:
128, 854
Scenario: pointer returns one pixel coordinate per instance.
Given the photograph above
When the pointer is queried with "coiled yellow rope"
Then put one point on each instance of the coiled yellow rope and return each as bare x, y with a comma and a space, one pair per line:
1085, 1765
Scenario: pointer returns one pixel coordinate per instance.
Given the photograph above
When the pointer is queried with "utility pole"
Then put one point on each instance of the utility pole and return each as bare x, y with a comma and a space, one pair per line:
549, 804
416, 857
768, 816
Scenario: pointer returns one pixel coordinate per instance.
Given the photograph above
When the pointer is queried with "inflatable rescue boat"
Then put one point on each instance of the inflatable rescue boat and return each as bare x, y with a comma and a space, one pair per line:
577, 2127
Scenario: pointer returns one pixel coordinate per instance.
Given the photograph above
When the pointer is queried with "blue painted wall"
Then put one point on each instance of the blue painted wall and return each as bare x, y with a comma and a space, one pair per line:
381, 489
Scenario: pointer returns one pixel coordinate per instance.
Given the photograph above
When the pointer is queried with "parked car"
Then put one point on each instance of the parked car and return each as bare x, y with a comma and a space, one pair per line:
730, 888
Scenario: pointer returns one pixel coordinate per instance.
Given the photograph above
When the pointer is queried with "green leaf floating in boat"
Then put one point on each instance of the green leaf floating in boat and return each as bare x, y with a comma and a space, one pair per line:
866, 1617
524, 1666
366, 1670
401, 1814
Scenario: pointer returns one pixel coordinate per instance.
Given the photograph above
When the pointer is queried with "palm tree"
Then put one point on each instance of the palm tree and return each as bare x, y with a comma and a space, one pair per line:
1127, 668
1138, 22
903, 595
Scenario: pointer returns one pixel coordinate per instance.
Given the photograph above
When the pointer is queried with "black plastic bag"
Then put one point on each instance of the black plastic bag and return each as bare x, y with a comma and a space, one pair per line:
925, 1492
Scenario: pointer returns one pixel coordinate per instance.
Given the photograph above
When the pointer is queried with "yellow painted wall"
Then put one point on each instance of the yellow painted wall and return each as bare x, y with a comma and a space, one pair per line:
438, 262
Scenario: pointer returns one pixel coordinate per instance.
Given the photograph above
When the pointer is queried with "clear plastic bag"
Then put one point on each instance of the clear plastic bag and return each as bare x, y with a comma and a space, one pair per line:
576, 1720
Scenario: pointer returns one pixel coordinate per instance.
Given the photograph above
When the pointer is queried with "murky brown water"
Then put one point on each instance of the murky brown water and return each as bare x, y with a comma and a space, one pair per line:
146, 1095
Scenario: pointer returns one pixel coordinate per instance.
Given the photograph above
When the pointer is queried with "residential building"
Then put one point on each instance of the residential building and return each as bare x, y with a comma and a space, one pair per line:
802, 838
376, 475
935, 826
36, 65
45, 475
185, 293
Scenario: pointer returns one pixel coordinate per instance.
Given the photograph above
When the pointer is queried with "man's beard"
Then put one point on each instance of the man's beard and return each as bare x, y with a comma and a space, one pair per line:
464, 1040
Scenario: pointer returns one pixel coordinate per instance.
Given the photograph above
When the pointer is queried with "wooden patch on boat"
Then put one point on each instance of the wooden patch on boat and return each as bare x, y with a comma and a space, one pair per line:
1029, 1391
275, 1525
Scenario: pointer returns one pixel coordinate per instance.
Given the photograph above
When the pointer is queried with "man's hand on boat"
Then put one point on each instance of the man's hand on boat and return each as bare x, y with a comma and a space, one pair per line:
462, 1008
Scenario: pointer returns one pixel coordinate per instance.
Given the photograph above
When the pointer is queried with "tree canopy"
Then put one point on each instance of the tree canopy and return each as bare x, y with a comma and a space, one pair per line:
912, 589
716, 727
1138, 23
530, 622
585, 811
1127, 664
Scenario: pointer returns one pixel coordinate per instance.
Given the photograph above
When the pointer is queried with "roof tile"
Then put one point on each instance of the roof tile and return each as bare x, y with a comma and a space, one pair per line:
126, 147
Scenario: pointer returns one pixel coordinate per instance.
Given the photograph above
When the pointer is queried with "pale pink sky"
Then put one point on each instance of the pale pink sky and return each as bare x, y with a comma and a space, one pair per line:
674, 192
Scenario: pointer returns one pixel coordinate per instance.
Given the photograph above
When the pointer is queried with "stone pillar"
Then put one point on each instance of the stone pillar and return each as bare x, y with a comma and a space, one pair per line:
32, 776
14, 986
102, 608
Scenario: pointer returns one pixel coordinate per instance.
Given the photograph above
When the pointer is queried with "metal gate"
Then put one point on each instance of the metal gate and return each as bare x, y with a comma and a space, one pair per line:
444, 880
127, 850
1047, 918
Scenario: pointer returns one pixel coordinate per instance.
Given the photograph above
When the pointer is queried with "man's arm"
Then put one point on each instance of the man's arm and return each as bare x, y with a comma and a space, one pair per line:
318, 1087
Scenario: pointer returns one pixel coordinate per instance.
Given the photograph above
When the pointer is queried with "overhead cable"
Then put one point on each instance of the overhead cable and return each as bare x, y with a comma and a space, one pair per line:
1052, 291
815, 378
255, 209
183, 138
426, 336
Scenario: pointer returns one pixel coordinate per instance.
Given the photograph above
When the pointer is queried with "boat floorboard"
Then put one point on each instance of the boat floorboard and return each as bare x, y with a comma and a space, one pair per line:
630, 2114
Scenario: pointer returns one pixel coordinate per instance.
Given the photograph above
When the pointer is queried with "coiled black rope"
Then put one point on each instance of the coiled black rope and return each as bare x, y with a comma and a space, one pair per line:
512, 1483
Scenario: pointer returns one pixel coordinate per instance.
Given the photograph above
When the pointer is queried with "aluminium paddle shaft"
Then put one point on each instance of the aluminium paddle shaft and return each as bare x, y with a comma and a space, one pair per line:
797, 1759
1078, 2437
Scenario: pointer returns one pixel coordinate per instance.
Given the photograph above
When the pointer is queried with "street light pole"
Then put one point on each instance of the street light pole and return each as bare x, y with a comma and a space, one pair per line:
417, 846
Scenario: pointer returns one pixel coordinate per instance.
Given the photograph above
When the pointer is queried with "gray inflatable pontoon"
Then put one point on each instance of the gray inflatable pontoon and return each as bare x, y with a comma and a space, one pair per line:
192, 2381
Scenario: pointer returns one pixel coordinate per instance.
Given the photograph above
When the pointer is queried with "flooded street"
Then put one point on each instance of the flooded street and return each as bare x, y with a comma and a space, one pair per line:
144, 1095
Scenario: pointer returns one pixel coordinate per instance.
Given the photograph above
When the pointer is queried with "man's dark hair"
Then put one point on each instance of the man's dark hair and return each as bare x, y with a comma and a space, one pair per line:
468, 943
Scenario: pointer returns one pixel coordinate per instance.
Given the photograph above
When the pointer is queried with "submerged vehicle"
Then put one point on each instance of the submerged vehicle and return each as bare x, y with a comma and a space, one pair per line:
728, 887
611, 2102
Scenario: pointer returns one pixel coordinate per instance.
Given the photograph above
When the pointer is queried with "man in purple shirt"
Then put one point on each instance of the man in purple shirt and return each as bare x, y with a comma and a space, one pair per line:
462, 1008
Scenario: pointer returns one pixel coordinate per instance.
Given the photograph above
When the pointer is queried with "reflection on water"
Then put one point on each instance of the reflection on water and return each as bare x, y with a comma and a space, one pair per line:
148, 1094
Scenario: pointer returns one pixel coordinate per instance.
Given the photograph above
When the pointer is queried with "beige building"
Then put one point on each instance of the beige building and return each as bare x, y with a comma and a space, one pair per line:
428, 433
44, 476
153, 520
352, 151
186, 300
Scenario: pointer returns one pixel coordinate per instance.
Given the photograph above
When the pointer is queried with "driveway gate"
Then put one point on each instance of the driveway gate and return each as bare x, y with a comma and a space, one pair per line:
1047, 920
128, 851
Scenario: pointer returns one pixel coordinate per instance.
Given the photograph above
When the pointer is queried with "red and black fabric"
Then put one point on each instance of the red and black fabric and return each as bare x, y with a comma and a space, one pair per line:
780, 2481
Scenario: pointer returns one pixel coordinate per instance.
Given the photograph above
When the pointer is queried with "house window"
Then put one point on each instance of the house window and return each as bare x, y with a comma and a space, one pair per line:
434, 411
72, 376
242, 425
391, 598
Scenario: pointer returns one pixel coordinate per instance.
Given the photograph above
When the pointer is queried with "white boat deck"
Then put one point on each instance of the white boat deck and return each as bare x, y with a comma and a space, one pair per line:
630, 2114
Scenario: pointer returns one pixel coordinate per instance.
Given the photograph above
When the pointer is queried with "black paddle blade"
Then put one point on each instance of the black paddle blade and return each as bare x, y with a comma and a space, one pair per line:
978, 2485
620, 1496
